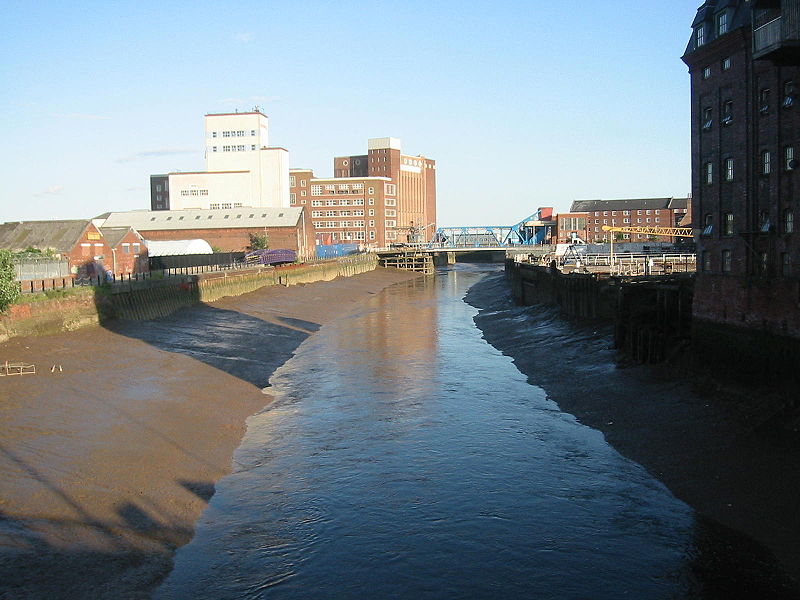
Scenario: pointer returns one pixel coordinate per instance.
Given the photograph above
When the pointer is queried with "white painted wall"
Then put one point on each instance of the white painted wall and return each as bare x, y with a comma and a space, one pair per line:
223, 188
274, 184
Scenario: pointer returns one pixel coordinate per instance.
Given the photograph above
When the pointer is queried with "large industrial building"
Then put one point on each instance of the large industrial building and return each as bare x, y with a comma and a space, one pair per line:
743, 59
379, 198
242, 170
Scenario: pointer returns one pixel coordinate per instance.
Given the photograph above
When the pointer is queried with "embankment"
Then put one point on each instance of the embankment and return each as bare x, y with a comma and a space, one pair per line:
720, 454
109, 453
152, 298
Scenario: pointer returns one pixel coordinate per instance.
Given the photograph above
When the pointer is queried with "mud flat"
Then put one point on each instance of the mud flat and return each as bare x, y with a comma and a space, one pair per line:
732, 459
110, 452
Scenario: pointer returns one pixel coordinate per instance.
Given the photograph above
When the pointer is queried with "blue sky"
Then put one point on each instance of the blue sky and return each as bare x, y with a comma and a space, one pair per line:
522, 104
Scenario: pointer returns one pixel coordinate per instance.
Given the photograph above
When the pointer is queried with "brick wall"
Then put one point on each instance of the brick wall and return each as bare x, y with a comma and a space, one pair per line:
232, 239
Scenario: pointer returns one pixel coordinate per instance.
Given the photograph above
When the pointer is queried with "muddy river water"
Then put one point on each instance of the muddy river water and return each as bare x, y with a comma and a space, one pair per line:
405, 457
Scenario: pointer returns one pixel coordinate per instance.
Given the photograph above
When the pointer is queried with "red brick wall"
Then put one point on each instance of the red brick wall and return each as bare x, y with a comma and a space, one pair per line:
90, 245
131, 261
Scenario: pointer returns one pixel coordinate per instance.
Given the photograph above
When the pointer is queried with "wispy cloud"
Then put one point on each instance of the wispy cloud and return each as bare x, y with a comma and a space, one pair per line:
154, 154
84, 117
53, 189
251, 100
244, 37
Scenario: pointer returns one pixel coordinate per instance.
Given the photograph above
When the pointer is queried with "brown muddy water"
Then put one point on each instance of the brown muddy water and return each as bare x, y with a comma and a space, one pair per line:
406, 457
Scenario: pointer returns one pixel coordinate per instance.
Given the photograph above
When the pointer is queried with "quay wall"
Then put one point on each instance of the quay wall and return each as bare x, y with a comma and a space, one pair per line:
54, 312
651, 316
657, 319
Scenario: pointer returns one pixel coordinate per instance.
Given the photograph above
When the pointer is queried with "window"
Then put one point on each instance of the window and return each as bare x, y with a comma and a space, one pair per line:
728, 169
766, 159
126, 248
293, 198
303, 183
788, 93
291, 180
391, 223
331, 203
789, 163
372, 201
390, 212
213, 134
316, 203
252, 132
302, 192
706, 258
700, 35
722, 23
788, 221
706, 72
708, 120
763, 263
728, 228
764, 222
391, 202
727, 113
709, 171
316, 190
371, 190
136, 248
726, 261
786, 264
763, 101
726, 64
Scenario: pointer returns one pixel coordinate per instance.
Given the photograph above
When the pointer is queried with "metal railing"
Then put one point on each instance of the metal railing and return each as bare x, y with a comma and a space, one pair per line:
767, 35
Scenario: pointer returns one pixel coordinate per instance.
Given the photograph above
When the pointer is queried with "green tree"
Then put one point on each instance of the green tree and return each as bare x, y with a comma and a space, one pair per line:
9, 288
259, 241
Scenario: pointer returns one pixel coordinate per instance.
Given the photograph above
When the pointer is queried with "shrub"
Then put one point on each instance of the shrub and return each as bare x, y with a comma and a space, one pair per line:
9, 287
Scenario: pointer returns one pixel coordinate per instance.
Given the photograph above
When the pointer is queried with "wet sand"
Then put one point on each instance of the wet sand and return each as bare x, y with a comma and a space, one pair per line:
730, 457
106, 463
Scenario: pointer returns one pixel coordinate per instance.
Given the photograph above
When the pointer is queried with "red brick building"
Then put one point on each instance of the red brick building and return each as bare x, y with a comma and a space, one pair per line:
79, 242
377, 198
743, 59
634, 212
128, 252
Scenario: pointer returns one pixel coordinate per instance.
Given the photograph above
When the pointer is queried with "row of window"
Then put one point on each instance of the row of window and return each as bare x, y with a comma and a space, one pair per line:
789, 164
340, 224
216, 206
240, 148
721, 23
724, 64
339, 202
762, 265
223, 205
230, 134
193, 193
341, 213
763, 106
627, 213
764, 226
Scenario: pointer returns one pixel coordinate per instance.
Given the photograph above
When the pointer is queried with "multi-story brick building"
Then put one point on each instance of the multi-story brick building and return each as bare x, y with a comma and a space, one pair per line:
743, 59
378, 198
638, 212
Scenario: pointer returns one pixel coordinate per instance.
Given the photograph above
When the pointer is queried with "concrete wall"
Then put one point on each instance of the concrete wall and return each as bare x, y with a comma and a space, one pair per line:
153, 298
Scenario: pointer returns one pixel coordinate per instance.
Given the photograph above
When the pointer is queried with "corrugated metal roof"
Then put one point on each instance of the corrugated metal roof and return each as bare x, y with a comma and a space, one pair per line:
61, 236
626, 204
171, 220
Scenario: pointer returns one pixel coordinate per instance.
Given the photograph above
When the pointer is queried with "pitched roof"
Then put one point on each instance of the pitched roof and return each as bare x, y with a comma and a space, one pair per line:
58, 235
170, 220
625, 204
114, 235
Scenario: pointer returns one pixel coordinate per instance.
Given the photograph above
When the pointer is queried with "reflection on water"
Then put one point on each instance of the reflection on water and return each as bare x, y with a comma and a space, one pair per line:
407, 458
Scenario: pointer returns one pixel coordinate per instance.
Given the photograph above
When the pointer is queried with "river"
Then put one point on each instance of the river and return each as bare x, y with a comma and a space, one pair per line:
405, 457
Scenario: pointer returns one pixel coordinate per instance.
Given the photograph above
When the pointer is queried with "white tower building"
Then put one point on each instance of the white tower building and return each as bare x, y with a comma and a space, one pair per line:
241, 168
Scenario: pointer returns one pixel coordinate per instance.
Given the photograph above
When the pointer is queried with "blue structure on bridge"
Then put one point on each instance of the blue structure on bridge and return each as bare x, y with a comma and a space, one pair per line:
528, 232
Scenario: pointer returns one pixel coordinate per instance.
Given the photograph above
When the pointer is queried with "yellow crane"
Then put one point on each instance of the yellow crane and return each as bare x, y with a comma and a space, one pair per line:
661, 231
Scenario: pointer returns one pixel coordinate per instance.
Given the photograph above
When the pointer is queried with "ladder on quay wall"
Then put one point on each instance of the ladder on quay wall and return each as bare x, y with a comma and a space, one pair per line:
410, 261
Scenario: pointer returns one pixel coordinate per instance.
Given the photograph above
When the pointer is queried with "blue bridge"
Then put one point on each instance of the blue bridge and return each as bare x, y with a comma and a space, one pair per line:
530, 231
